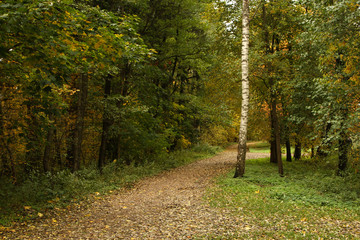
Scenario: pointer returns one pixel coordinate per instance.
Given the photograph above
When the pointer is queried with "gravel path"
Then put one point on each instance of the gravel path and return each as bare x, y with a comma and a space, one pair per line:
166, 206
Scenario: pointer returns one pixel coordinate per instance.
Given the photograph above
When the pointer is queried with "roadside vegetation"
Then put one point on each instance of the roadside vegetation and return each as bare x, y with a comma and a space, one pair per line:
309, 202
43, 192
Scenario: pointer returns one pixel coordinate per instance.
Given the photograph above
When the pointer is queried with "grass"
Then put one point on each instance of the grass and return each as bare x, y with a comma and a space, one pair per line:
310, 202
43, 192
264, 147
259, 147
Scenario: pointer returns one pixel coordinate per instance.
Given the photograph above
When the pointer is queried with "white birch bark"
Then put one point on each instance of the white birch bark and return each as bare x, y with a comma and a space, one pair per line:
240, 164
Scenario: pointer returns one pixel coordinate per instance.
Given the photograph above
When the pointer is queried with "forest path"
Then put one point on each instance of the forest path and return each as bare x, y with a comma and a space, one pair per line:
166, 206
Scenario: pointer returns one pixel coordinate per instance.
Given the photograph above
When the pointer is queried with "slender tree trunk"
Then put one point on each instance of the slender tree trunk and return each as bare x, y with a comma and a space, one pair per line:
344, 145
12, 164
322, 150
273, 156
33, 153
79, 126
77, 111
288, 149
124, 91
58, 152
105, 127
276, 131
275, 150
240, 164
297, 152
3, 158
48, 145
312, 152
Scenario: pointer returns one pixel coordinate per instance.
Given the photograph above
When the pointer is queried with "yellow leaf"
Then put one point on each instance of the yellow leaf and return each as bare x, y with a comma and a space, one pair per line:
27, 207
303, 220
124, 207
40, 214
54, 220
258, 191
97, 193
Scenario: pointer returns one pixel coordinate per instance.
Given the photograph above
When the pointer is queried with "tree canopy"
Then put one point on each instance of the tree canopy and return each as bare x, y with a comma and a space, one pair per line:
85, 83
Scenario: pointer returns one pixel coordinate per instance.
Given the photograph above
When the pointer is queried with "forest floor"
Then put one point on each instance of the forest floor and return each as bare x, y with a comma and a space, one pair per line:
167, 206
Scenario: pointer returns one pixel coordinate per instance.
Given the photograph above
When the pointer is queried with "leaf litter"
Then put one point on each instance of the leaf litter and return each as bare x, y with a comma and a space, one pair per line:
167, 206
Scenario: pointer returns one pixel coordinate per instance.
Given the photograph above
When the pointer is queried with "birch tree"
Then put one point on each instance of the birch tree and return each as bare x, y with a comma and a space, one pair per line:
240, 164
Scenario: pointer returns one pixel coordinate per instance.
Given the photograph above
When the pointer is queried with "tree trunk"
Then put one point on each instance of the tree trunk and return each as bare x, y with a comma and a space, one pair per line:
288, 149
312, 152
273, 156
344, 144
3, 158
79, 126
105, 127
33, 153
297, 152
276, 131
58, 150
240, 164
77, 109
124, 91
275, 150
48, 145
322, 150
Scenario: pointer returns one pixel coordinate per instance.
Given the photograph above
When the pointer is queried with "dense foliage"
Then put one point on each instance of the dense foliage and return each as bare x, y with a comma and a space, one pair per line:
304, 75
88, 83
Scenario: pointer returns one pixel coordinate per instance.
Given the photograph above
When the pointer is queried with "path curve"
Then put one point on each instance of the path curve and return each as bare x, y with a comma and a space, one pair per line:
166, 206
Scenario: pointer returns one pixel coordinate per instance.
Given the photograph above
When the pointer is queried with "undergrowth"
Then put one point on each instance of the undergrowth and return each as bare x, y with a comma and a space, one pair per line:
41, 192
309, 202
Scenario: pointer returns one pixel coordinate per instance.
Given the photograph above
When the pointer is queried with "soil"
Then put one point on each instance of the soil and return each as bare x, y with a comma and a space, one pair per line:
167, 206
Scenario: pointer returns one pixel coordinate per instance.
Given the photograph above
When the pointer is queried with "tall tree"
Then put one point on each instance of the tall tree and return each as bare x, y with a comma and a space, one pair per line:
240, 164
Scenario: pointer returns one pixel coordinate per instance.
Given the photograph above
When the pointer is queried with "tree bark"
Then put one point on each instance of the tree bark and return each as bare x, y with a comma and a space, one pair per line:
48, 145
344, 144
105, 127
240, 164
124, 91
3, 158
273, 156
297, 152
322, 150
79, 127
288, 149
276, 131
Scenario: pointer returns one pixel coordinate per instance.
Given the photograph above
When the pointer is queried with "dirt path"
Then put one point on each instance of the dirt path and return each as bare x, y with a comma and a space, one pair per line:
167, 206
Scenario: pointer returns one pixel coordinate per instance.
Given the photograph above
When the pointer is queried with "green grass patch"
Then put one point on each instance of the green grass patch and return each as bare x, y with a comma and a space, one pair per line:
263, 147
259, 147
309, 202
42, 192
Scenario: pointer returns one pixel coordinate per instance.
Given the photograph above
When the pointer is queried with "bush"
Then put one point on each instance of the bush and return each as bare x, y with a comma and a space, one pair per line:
218, 135
41, 191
